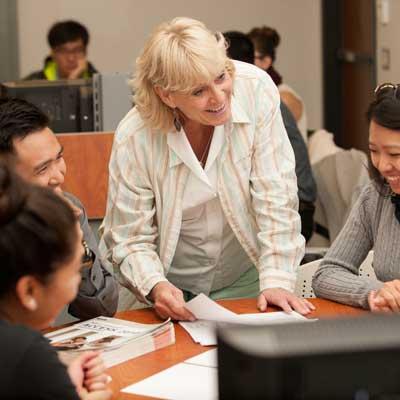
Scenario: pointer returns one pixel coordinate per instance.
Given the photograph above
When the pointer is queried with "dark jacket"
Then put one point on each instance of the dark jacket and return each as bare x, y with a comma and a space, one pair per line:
42, 75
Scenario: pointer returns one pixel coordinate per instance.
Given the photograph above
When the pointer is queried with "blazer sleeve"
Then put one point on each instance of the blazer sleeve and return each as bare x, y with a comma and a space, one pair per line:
273, 189
129, 232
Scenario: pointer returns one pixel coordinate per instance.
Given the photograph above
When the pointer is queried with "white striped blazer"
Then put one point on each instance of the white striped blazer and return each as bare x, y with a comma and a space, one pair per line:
256, 186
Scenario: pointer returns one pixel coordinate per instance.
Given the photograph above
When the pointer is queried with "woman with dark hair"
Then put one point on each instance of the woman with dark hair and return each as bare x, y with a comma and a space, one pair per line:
40, 255
374, 222
266, 40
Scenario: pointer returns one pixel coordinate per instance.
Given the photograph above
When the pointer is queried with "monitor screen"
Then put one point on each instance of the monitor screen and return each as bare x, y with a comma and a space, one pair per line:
328, 359
68, 103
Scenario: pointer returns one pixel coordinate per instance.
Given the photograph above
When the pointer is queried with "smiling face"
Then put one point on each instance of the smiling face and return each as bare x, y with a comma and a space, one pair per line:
206, 105
384, 146
39, 159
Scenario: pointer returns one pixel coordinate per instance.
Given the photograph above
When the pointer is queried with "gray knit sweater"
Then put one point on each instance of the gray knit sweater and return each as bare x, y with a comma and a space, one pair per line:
371, 225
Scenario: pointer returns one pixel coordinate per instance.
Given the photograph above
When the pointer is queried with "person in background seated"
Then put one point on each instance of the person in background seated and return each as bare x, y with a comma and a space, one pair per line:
202, 188
40, 253
265, 41
241, 48
374, 222
68, 41
28, 144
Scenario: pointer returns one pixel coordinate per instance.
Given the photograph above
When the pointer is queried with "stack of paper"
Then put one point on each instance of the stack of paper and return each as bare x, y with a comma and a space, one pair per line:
118, 339
209, 313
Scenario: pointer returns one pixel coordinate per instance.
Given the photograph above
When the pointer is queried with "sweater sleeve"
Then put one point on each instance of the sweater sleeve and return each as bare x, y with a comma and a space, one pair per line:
337, 278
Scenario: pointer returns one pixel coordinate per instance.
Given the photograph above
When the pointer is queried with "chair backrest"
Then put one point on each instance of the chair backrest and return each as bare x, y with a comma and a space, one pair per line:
340, 178
306, 272
87, 156
366, 268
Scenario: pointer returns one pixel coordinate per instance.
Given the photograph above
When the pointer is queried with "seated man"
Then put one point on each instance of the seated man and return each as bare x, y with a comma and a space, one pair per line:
68, 41
31, 147
241, 48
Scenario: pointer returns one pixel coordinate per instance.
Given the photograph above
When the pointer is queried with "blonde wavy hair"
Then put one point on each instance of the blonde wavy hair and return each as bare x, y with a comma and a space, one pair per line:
179, 56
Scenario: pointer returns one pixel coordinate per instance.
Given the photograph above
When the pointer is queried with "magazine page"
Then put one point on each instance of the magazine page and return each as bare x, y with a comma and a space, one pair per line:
101, 333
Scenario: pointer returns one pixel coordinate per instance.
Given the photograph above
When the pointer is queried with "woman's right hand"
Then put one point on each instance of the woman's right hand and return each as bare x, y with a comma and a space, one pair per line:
387, 298
169, 302
87, 373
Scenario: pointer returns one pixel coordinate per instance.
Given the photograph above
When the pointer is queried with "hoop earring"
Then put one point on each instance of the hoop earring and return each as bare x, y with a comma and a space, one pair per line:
177, 122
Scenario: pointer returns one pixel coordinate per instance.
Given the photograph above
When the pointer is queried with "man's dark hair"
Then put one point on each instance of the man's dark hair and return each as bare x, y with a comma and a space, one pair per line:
37, 231
18, 118
240, 47
67, 31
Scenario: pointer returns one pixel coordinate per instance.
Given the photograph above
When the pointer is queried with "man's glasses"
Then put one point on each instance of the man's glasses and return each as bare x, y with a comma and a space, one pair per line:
387, 89
75, 51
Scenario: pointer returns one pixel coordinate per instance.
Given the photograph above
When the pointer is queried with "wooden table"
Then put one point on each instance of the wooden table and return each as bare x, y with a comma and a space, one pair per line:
149, 364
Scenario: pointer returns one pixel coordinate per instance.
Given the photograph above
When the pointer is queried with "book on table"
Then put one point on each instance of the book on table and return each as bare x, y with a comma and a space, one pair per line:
118, 340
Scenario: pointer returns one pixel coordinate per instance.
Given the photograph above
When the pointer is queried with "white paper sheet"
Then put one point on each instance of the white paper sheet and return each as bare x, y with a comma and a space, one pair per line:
208, 359
278, 317
208, 313
196, 378
201, 331
202, 307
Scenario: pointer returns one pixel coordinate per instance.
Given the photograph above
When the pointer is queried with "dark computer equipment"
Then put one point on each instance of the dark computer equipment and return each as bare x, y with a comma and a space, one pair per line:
68, 103
356, 359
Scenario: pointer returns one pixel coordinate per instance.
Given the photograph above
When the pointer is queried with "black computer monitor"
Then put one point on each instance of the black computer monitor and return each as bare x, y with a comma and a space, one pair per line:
68, 103
329, 359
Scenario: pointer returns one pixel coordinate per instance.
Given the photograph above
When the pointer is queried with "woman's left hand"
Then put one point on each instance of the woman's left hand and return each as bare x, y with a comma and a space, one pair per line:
387, 298
95, 373
87, 371
285, 300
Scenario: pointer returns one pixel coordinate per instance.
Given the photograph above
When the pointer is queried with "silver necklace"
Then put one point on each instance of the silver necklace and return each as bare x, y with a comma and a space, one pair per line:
202, 158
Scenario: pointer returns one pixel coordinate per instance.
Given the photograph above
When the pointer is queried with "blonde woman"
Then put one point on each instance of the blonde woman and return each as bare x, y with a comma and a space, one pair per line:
202, 194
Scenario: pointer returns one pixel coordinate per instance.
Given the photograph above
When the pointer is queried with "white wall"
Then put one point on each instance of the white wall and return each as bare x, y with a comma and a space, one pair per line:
388, 33
119, 28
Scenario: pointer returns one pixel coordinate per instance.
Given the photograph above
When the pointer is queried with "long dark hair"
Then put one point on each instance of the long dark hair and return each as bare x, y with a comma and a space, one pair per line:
384, 111
37, 231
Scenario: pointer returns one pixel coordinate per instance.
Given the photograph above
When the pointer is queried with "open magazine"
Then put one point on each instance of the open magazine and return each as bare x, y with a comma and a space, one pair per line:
119, 340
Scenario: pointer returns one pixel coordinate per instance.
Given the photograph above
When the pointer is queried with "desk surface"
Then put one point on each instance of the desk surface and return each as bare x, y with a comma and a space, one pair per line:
149, 364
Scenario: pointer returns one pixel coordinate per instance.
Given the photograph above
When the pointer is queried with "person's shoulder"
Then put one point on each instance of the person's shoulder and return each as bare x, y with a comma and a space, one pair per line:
74, 200
17, 339
36, 75
248, 77
91, 69
372, 194
245, 70
132, 124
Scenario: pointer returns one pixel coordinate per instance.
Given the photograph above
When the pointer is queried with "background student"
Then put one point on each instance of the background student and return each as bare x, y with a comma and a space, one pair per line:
374, 223
40, 252
266, 40
68, 41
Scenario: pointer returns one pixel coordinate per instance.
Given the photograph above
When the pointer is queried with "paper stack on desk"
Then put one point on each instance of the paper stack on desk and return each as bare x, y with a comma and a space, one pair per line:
209, 313
119, 340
